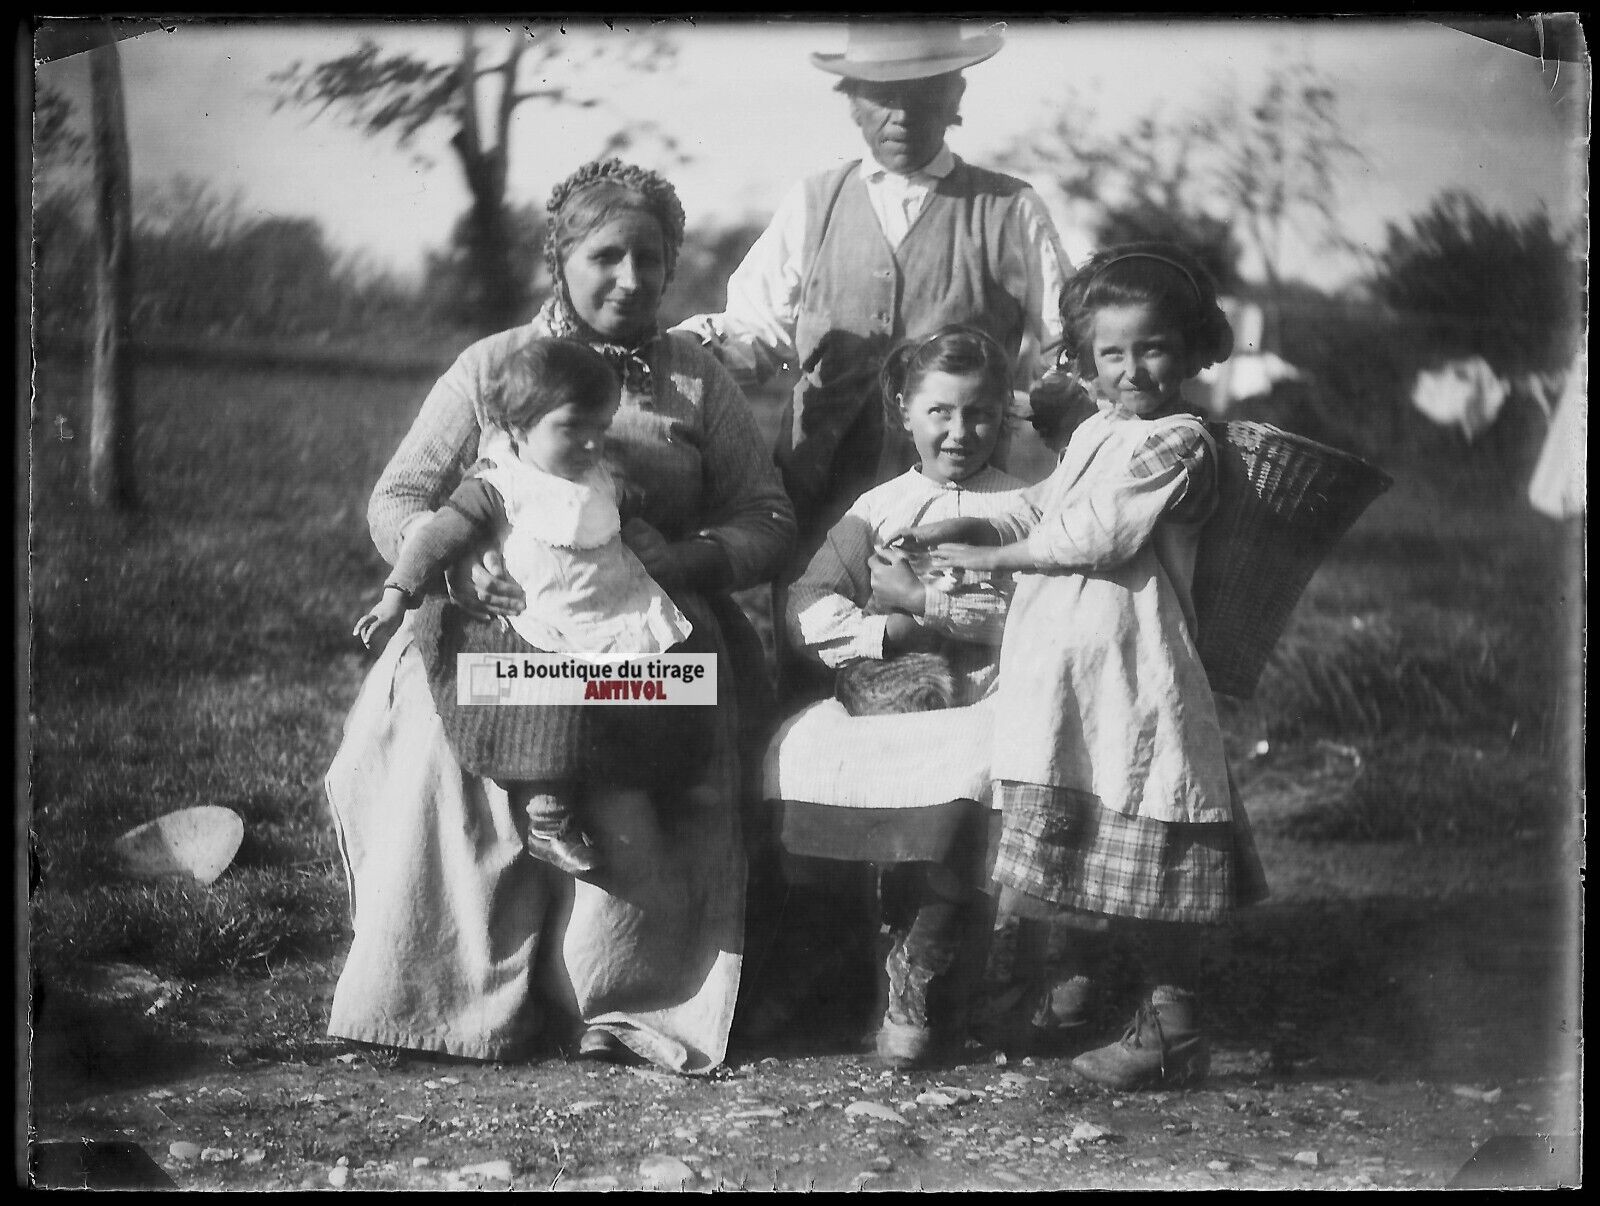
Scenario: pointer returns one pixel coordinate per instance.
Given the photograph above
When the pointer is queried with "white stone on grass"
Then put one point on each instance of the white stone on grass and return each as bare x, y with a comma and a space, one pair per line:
665, 1172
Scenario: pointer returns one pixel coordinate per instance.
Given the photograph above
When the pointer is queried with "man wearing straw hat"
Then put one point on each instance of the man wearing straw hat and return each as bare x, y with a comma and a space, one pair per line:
856, 259
882, 249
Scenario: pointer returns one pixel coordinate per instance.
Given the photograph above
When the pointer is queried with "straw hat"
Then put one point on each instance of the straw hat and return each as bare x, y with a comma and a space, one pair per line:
907, 51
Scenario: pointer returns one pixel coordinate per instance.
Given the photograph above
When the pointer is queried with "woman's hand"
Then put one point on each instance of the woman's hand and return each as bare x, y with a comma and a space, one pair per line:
647, 544
480, 586
894, 586
965, 556
967, 530
697, 564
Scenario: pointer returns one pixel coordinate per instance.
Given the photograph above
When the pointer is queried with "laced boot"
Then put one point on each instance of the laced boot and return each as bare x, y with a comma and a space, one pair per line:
1162, 1047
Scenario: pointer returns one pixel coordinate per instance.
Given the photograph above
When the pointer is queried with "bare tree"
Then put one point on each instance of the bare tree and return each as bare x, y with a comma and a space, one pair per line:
57, 146
61, 186
1146, 181
111, 404
1264, 166
1281, 157
403, 94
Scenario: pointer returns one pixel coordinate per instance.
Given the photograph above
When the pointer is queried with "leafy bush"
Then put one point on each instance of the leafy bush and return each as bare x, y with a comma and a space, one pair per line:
1485, 284
454, 293
1210, 238
203, 269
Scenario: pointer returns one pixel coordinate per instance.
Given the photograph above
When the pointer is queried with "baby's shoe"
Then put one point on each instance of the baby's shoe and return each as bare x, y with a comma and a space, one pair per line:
1162, 1047
567, 848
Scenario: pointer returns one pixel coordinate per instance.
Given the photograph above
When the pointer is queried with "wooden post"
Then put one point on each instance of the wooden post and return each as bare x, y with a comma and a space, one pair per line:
111, 405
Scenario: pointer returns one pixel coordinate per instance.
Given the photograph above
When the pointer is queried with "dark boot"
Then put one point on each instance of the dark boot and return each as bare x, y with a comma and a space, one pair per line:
1036, 999
1061, 1020
1163, 1047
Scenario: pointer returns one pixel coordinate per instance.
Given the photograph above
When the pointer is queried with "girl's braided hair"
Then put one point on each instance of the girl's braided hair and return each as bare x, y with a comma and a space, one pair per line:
1161, 275
595, 193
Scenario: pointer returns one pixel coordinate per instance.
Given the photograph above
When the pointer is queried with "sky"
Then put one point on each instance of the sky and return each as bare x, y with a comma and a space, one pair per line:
1431, 107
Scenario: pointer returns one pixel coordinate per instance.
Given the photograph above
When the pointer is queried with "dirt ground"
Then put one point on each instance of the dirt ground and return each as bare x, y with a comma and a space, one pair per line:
1390, 1011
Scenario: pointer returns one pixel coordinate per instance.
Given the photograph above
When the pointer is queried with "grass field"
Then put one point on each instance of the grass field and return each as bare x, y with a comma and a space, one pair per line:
198, 652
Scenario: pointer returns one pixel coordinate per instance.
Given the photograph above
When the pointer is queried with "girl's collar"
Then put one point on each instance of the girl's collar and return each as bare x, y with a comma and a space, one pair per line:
965, 483
1115, 411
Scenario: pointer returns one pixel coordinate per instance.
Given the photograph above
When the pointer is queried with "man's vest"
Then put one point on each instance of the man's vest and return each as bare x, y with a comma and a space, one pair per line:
859, 298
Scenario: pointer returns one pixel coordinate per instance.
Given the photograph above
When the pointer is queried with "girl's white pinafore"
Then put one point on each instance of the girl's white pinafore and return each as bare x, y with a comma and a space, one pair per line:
1101, 688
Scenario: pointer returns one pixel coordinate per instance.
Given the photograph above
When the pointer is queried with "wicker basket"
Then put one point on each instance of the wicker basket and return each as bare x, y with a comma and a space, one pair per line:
1284, 502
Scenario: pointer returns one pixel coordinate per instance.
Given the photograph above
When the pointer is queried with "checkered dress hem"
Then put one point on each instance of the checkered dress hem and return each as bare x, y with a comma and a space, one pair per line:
1063, 846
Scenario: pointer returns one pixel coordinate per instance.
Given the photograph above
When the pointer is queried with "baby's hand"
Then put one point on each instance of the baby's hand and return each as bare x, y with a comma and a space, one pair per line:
379, 624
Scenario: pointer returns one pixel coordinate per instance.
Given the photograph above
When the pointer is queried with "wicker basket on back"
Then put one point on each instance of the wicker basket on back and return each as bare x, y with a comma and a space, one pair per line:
1284, 502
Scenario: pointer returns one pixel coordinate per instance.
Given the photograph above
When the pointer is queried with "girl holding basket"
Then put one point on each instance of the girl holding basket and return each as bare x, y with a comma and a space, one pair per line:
1108, 758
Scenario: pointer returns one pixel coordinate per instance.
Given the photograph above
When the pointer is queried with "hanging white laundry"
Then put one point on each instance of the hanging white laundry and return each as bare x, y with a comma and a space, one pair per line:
1249, 323
1242, 376
1254, 376
1560, 480
1464, 393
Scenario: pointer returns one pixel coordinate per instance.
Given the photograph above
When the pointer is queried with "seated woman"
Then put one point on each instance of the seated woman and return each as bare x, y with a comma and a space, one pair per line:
463, 943
899, 644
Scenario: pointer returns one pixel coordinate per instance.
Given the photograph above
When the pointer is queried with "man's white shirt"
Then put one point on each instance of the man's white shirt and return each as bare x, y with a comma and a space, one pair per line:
754, 335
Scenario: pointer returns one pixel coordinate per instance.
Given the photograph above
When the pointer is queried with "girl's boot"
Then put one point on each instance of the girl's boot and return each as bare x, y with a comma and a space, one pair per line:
1061, 1019
905, 1037
1163, 1047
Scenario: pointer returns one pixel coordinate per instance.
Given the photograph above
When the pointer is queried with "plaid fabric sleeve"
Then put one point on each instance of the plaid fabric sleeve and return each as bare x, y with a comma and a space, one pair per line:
1109, 520
1183, 448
